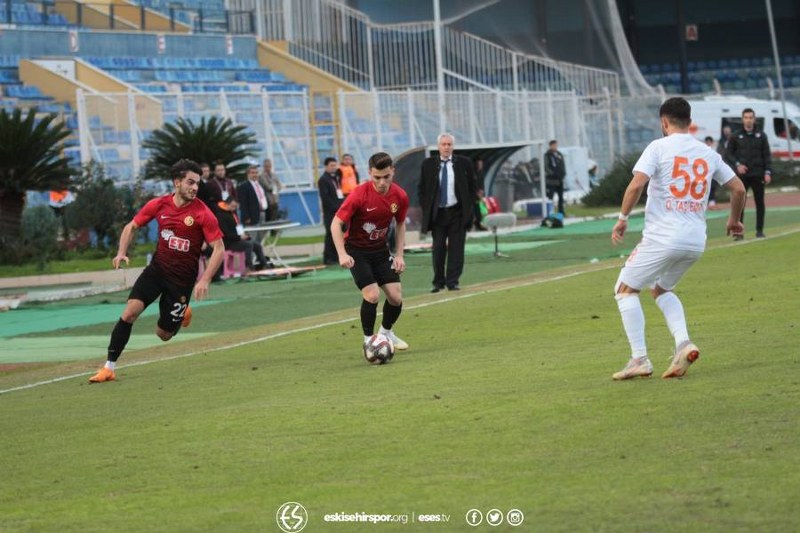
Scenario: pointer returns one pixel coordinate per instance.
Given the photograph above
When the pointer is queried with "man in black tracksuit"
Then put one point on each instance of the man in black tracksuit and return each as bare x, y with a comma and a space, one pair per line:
749, 152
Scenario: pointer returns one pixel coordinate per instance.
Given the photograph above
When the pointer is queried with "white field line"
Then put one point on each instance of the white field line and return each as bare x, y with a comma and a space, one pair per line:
271, 336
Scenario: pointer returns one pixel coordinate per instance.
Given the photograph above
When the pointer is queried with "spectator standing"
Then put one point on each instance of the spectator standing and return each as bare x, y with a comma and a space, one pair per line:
221, 187
712, 202
447, 196
331, 197
555, 171
203, 190
348, 175
252, 199
273, 186
749, 151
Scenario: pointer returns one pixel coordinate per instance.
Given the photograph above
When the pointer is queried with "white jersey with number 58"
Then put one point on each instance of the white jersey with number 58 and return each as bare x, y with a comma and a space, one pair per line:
680, 169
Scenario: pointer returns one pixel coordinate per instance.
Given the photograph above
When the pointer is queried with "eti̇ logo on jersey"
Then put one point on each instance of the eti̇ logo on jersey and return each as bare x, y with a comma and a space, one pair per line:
291, 517
188, 220
394, 207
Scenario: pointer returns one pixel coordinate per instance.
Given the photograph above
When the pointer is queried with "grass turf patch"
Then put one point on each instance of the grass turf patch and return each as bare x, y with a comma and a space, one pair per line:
504, 400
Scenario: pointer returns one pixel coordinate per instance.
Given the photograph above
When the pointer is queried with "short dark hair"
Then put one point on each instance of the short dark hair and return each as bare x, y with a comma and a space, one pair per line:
329, 160
205, 165
551, 143
380, 161
677, 111
179, 170
709, 138
219, 162
748, 110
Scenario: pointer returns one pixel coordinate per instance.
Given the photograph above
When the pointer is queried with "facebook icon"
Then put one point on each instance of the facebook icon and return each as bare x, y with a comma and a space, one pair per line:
474, 517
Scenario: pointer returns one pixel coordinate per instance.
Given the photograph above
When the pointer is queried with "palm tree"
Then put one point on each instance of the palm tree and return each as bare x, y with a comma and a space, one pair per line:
30, 160
210, 141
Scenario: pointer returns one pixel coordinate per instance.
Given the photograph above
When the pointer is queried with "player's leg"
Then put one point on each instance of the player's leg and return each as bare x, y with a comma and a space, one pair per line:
640, 271
173, 307
144, 291
686, 352
370, 293
389, 281
747, 184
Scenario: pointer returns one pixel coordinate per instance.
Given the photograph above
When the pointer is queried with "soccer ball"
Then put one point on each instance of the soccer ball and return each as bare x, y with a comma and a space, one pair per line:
378, 350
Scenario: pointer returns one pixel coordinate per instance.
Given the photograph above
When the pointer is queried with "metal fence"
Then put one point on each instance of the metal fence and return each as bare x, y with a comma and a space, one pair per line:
345, 43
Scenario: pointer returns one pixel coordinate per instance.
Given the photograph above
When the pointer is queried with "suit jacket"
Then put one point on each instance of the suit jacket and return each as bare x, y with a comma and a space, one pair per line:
465, 188
249, 206
327, 184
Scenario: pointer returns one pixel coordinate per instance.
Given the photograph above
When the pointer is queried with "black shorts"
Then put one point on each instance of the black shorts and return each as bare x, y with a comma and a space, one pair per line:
174, 300
372, 267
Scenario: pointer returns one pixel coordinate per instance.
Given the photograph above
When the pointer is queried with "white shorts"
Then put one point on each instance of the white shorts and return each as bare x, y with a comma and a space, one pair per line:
651, 264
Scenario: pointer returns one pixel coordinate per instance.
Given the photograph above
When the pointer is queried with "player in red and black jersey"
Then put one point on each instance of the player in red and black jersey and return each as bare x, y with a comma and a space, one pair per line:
184, 223
368, 212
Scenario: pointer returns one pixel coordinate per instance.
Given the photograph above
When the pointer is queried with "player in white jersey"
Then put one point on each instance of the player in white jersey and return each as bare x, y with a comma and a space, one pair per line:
679, 169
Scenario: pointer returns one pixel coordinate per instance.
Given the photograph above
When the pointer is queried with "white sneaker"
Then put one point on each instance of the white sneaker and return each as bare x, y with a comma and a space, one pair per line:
686, 354
399, 344
636, 367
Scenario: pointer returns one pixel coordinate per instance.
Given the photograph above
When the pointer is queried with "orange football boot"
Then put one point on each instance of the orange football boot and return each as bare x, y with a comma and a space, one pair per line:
104, 374
187, 317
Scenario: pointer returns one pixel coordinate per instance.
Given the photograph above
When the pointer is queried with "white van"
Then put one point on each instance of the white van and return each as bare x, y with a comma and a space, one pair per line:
712, 113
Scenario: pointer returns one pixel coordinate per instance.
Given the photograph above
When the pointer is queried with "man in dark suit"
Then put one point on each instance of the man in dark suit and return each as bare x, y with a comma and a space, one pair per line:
447, 196
252, 199
330, 194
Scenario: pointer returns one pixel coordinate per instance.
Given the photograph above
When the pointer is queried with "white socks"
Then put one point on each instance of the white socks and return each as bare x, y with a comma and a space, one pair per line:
383, 331
630, 308
671, 306
111, 365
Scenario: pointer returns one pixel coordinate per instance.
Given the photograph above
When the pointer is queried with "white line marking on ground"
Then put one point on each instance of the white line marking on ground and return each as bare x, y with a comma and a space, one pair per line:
346, 320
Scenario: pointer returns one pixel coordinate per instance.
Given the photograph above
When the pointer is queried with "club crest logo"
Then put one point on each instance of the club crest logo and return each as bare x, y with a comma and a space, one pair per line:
166, 234
394, 207
188, 220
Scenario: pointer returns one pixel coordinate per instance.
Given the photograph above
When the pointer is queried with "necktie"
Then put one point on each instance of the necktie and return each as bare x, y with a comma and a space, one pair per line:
443, 185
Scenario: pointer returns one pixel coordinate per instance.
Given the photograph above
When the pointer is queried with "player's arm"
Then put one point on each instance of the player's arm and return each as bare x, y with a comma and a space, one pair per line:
631, 198
399, 264
738, 197
214, 262
125, 240
345, 259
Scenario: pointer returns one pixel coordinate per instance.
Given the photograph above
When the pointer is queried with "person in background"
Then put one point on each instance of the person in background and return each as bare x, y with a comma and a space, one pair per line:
235, 238
750, 153
331, 197
273, 186
555, 171
348, 175
252, 199
447, 195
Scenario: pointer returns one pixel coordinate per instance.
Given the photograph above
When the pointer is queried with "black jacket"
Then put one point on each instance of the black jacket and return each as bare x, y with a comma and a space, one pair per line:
752, 150
249, 206
554, 167
465, 189
327, 185
227, 225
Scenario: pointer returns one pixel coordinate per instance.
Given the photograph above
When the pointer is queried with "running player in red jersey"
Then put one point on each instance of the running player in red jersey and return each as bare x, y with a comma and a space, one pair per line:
184, 223
364, 249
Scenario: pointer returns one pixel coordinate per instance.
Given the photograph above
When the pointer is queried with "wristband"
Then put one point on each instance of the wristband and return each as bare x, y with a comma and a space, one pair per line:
623, 217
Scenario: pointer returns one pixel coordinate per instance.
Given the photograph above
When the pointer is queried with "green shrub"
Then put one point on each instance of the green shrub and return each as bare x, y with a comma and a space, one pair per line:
39, 234
611, 189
